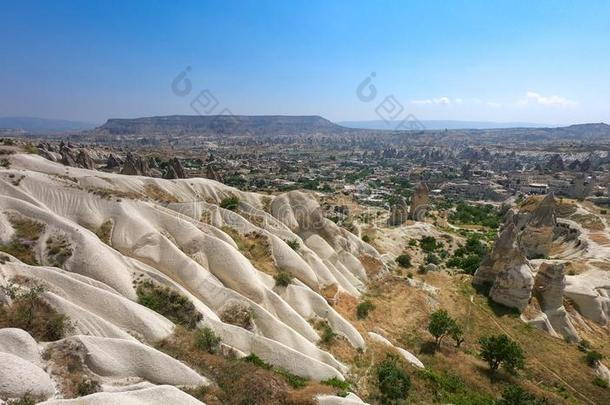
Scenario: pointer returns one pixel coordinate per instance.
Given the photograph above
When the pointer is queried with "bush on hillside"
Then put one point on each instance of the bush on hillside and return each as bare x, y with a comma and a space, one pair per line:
230, 203
363, 309
394, 382
169, 303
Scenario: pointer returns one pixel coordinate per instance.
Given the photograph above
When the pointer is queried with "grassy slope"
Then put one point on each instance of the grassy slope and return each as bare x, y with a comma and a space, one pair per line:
554, 369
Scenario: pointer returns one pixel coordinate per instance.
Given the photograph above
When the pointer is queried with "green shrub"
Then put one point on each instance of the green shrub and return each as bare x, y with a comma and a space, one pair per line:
230, 203
469, 257
362, 310
412, 242
502, 351
584, 345
169, 303
292, 379
428, 244
515, 395
294, 244
600, 382
206, 340
87, 387
394, 382
257, 361
366, 238
283, 279
327, 333
431, 258
593, 358
337, 383
404, 260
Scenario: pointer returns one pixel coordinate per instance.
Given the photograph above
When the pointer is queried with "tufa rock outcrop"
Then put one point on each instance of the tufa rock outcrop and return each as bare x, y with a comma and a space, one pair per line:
135, 165
549, 287
398, 212
537, 236
507, 271
419, 203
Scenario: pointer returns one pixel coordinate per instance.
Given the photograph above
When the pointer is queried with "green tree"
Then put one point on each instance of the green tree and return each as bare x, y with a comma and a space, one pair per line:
440, 325
502, 351
457, 333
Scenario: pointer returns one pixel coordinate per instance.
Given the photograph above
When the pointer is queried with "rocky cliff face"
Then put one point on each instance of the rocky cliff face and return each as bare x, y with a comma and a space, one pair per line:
419, 203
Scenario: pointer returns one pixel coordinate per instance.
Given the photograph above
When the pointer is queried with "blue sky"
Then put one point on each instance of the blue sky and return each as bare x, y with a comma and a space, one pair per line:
541, 61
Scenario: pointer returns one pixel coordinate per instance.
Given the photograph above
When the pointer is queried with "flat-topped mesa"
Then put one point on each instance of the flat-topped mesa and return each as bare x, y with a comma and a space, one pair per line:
419, 203
398, 212
507, 271
537, 237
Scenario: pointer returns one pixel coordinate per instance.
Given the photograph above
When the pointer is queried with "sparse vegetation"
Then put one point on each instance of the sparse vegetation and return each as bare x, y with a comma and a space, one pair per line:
469, 257
27, 233
206, 340
27, 399
104, 231
394, 383
363, 309
169, 303
230, 203
58, 250
238, 314
283, 279
87, 387
502, 351
28, 311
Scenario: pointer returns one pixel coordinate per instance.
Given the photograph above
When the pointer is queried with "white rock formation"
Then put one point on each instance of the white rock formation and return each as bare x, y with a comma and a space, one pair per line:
182, 244
408, 356
160, 395
19, 377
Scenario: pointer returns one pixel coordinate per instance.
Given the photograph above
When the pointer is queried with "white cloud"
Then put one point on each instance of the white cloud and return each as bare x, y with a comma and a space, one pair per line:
550, 101
435, 101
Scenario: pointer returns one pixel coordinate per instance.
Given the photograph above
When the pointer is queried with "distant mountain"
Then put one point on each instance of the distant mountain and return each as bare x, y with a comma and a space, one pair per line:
36, 125
440, 124
223, 124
